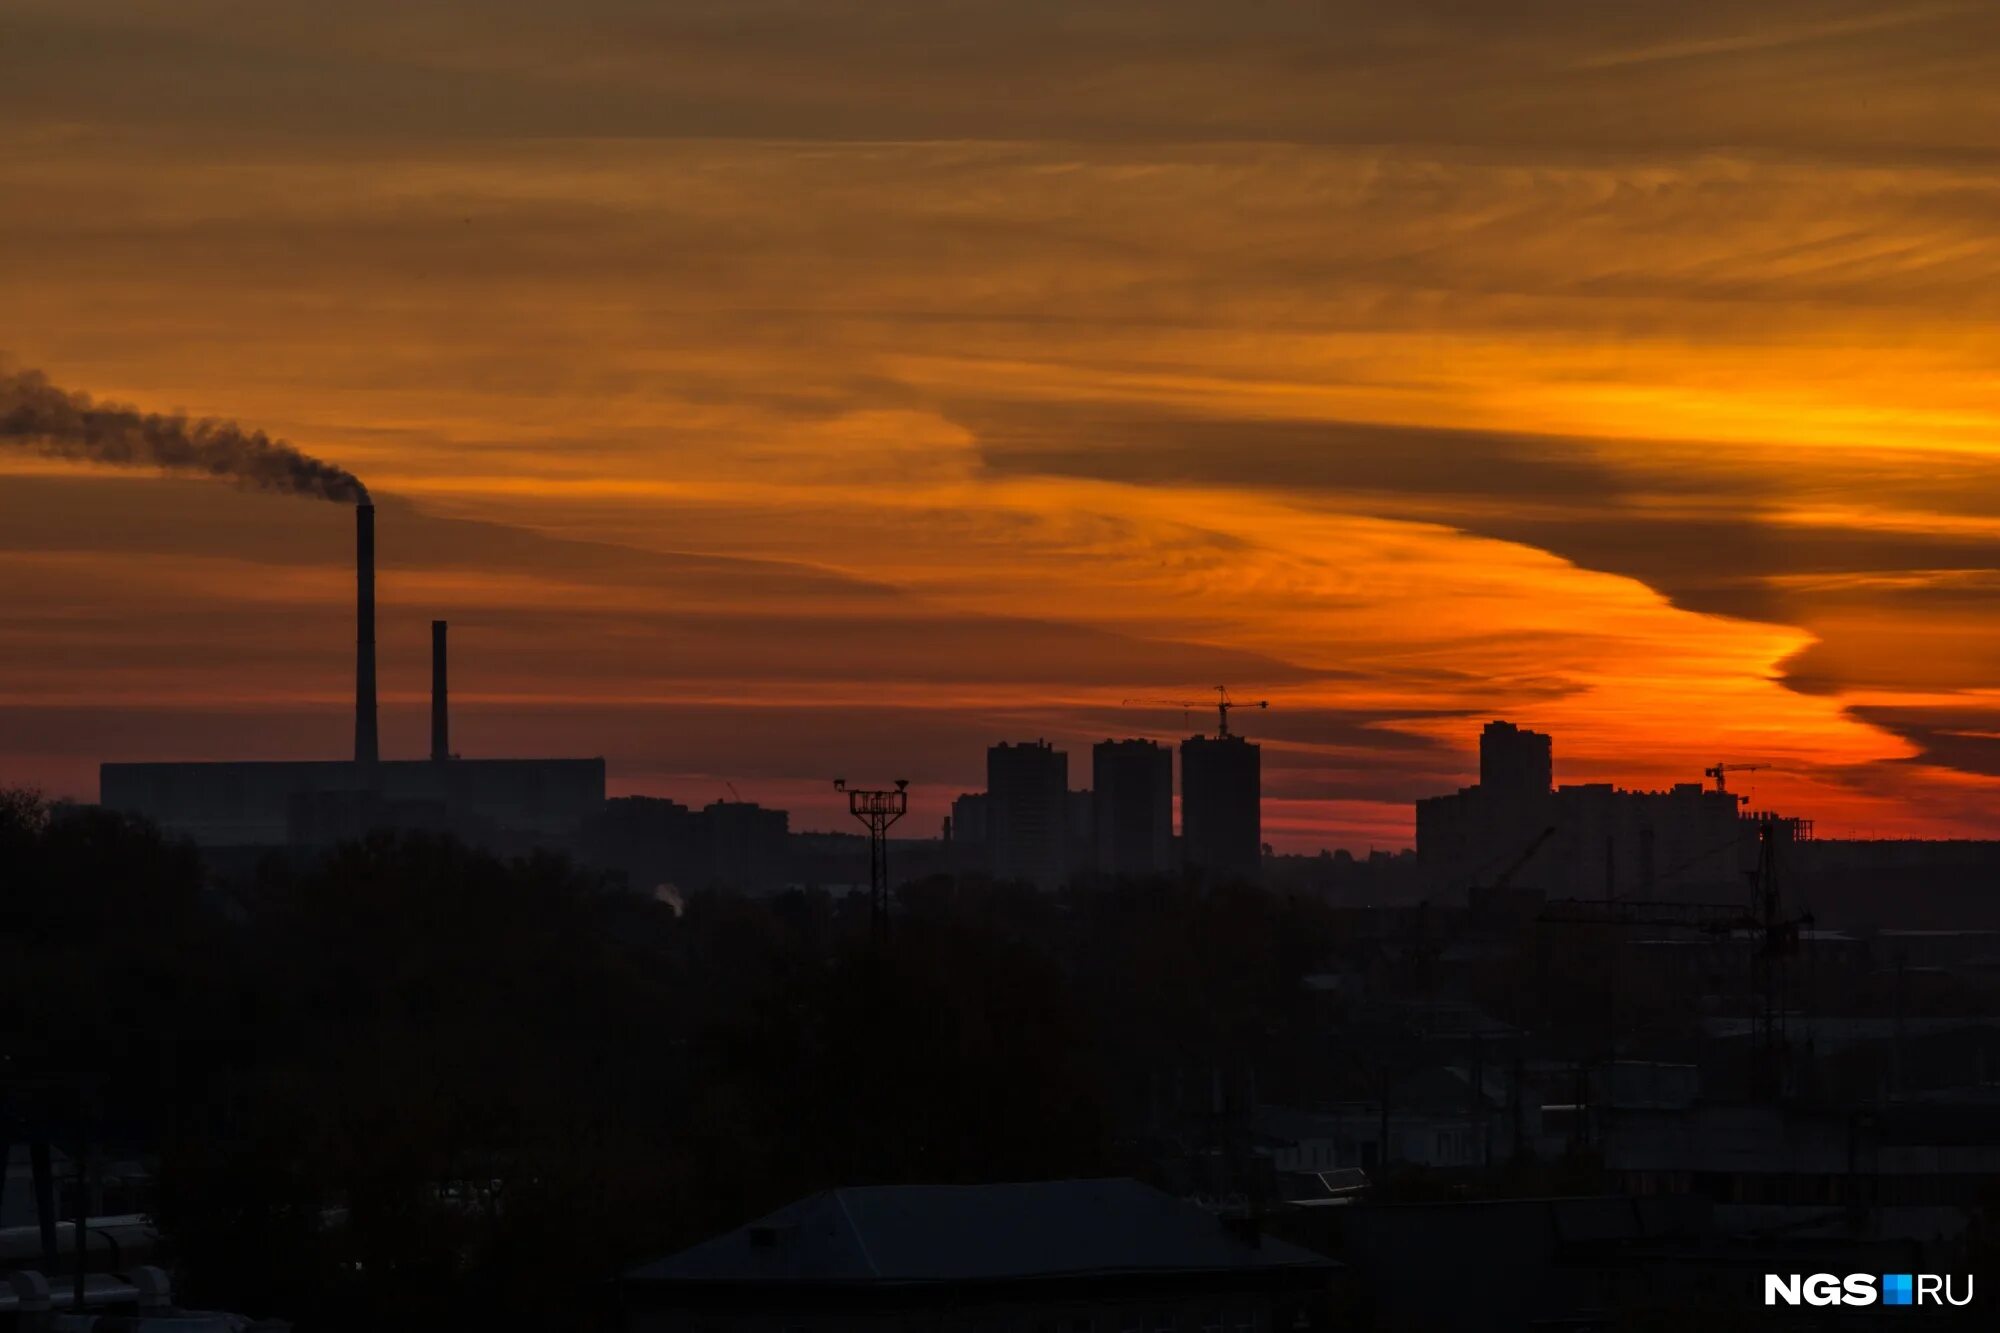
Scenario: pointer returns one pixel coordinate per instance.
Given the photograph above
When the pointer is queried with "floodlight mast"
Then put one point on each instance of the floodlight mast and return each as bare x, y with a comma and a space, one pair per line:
878, 810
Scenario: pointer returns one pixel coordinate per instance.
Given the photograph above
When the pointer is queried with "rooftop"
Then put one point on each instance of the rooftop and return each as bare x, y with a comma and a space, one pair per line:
918, 1234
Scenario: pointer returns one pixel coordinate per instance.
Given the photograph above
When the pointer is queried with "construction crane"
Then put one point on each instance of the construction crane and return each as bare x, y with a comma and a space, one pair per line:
1506, 877
1721, 770
1763, 920
1482, 897
1223, 703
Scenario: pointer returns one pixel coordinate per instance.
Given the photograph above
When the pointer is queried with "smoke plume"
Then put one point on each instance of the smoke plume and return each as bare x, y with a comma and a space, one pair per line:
60, 424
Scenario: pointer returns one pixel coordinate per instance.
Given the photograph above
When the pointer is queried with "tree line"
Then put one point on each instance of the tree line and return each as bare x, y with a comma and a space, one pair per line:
409, 1083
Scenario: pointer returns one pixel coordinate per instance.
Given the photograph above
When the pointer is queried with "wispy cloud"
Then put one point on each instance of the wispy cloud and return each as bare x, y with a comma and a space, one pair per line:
1611, 366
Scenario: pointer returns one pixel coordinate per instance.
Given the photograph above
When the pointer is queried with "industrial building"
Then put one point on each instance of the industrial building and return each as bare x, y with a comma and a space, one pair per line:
316, 803
506, 803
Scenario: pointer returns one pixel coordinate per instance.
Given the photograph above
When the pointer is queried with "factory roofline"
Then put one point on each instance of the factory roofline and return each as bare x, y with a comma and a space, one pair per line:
243, 803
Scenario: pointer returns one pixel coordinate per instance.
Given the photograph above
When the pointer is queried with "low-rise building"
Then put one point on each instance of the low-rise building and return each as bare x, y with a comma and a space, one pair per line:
1113, 1256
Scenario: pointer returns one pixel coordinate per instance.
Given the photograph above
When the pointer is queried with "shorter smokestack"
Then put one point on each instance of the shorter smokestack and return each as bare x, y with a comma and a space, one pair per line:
366, 748
440, 699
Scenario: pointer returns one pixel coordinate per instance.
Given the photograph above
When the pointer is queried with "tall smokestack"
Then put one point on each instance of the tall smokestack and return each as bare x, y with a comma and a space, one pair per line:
440, 698
366, 749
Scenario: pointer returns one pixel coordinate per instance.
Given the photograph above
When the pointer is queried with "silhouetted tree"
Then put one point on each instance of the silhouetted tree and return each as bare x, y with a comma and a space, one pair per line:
412, 1084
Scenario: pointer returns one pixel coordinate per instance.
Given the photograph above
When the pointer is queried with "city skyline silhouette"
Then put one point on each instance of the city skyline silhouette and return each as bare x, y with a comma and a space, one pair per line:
1076, 666
748, 421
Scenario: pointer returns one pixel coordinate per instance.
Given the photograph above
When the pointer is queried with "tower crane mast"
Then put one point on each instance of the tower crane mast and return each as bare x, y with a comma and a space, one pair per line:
1720, 772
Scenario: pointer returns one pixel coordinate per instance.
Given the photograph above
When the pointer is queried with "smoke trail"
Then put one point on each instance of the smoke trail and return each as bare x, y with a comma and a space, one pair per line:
60, 424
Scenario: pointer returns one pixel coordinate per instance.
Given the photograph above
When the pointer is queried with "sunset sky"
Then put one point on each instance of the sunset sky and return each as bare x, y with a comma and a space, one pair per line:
769, 391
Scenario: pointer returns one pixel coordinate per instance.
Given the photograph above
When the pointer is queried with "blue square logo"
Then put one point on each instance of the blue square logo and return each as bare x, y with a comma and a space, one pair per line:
1896, 1289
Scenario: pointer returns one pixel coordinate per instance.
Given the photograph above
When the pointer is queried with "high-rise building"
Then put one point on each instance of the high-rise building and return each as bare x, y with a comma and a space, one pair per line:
1516, 829
1515, 765
1221, 795
1081, 814
648, 839
969, 833
1132, 800
968, 818
743, 845
1027, 813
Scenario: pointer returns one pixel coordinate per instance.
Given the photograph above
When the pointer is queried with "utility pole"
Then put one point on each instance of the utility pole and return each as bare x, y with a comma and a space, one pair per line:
878, 810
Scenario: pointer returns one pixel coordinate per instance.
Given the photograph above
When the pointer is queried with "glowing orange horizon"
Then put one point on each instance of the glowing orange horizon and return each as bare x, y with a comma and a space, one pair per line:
875, 419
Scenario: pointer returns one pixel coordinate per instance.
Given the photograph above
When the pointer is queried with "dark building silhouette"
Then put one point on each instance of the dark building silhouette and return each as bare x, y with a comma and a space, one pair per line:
510, 803
968, 834
1940, 883
1516, 766
1132, 807
648, 839
311, 803
742, 845
1221, 797
1065, 1254
661, 847
1583, 840
1027, 813
1080, 818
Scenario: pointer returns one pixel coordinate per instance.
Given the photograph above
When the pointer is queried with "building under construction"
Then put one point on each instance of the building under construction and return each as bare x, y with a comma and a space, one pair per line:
495, 802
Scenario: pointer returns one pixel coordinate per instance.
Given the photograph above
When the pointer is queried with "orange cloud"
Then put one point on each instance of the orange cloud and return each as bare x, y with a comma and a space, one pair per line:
1614, 371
